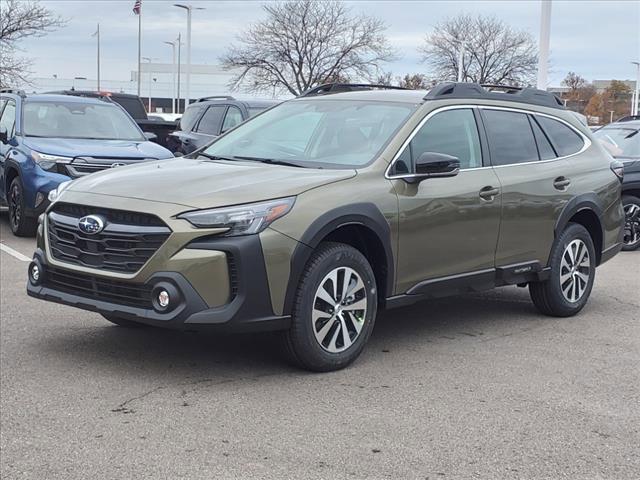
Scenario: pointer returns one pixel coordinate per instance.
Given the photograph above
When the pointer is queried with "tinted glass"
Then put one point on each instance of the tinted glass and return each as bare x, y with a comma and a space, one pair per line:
452, 132
620, 142
8, 119
210, 121
510, 137
96, 121
232, 118
133, 106
321, 132
544, 147
565, 140
190, 117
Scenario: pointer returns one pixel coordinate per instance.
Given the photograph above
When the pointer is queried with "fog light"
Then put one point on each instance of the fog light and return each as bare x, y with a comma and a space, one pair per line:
36, 273
164, 298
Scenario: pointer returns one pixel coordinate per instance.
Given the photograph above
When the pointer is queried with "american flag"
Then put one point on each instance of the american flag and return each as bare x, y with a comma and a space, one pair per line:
137, 7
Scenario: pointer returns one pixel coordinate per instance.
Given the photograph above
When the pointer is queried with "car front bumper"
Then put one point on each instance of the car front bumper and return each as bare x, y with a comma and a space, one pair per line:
248, 307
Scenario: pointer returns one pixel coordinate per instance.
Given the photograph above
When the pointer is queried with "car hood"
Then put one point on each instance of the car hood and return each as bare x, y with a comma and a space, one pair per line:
204, 183
77, 147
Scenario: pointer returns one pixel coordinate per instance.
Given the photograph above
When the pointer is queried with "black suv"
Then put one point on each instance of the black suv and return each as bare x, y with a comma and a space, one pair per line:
209, 117
622, 140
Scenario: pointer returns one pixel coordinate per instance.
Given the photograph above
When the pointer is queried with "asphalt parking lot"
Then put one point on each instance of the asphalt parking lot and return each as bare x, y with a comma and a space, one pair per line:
480, 386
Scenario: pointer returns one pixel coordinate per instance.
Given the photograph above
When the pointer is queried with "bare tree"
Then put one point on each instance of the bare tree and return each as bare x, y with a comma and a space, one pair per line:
303, 43
573, 81
416, 81
493, 52
19, 20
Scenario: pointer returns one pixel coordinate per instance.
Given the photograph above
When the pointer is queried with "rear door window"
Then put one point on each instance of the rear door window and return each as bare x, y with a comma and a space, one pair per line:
232, 118
209, 124
190, 117
510, 136
544, 146
565, 140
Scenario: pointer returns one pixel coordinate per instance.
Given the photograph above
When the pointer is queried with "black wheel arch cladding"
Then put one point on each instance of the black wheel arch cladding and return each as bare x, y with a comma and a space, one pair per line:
365, 215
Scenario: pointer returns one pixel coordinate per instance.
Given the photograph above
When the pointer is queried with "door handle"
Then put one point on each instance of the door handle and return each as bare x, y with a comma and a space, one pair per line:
561, 183
489, 193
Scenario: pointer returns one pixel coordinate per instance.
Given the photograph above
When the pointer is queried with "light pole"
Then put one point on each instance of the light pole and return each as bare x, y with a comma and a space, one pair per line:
148, 60
173, 76
189, 9
179, 40
636, 100
545, 33
97, 34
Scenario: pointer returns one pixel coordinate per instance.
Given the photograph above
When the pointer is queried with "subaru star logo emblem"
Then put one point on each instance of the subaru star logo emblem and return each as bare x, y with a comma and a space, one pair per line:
91, 224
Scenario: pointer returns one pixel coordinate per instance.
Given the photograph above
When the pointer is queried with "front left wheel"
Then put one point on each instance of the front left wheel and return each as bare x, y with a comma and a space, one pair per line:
334, 309
21, 225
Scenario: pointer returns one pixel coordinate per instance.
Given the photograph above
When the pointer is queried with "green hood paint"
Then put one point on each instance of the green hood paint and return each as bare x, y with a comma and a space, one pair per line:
205, 183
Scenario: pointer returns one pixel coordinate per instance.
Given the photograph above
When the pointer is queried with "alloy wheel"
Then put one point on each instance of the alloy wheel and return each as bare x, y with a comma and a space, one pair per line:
575, 268
15, 206
632, 224
339, 309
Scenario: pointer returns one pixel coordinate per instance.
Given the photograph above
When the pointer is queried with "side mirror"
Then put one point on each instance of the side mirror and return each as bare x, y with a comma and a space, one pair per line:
150, 136
435, 165
4, 135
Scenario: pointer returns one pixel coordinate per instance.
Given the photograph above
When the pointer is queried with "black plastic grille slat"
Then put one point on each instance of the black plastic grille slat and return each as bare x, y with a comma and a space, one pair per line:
233, 275
123, 246
134, 295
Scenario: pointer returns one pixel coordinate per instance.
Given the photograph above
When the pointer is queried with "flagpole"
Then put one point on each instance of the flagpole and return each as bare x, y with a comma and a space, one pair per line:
139, 48
98, 57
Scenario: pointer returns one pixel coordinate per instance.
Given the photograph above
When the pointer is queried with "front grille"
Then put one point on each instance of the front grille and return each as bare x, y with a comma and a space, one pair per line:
87, 286
125, 244
82, 166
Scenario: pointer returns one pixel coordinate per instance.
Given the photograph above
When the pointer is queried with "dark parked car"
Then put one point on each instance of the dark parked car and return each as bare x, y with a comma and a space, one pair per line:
209, 117
46, 140
622, 140
134, 107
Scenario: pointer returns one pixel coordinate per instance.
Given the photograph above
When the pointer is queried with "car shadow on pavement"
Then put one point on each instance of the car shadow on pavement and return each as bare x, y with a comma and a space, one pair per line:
183, 355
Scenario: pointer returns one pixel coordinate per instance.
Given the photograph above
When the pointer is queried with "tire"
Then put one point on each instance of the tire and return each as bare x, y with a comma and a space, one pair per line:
21, 225
566, 291
631, 206
316, 340
122, 322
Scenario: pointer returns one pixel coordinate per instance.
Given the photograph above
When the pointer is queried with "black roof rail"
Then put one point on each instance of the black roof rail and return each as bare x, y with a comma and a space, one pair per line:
476, 91
345, 87
15, 91
215, 97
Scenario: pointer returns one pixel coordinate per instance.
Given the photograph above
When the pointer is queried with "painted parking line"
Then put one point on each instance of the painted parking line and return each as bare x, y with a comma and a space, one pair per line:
14, 253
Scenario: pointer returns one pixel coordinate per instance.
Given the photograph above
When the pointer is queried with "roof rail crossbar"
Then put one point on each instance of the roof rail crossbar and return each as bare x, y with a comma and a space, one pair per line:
345, 87
494, 92
15, 91
216, 97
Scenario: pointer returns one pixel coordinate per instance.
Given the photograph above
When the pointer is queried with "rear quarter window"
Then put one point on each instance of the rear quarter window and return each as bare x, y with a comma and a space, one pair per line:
190, 117
565, 140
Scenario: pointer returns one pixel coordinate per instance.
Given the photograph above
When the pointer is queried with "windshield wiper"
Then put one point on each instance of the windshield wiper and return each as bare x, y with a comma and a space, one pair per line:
215, 157
270, 161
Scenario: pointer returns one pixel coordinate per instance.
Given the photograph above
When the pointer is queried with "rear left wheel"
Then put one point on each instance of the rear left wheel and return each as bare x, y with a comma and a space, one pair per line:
631, 207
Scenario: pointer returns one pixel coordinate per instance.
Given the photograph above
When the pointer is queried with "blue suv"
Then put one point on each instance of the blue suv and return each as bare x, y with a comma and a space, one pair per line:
49, 139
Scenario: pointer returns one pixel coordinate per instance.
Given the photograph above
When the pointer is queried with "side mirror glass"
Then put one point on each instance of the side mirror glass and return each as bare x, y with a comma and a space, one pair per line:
150, 136
4, 135
435, 165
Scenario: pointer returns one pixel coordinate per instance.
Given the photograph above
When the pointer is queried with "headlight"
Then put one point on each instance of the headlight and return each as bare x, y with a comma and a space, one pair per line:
241, 219
55, 193
48, 162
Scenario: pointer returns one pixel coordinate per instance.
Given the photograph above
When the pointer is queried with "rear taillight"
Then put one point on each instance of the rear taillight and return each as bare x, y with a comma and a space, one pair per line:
618, 168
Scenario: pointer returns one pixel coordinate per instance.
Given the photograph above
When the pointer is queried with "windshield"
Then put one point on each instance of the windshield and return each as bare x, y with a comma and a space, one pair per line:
330, 133
620, 142
78, 120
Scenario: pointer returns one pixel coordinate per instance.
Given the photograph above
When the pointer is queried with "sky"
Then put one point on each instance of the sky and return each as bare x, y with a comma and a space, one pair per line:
596, 39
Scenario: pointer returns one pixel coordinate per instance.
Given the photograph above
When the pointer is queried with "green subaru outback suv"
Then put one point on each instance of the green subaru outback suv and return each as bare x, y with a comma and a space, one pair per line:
314, 215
